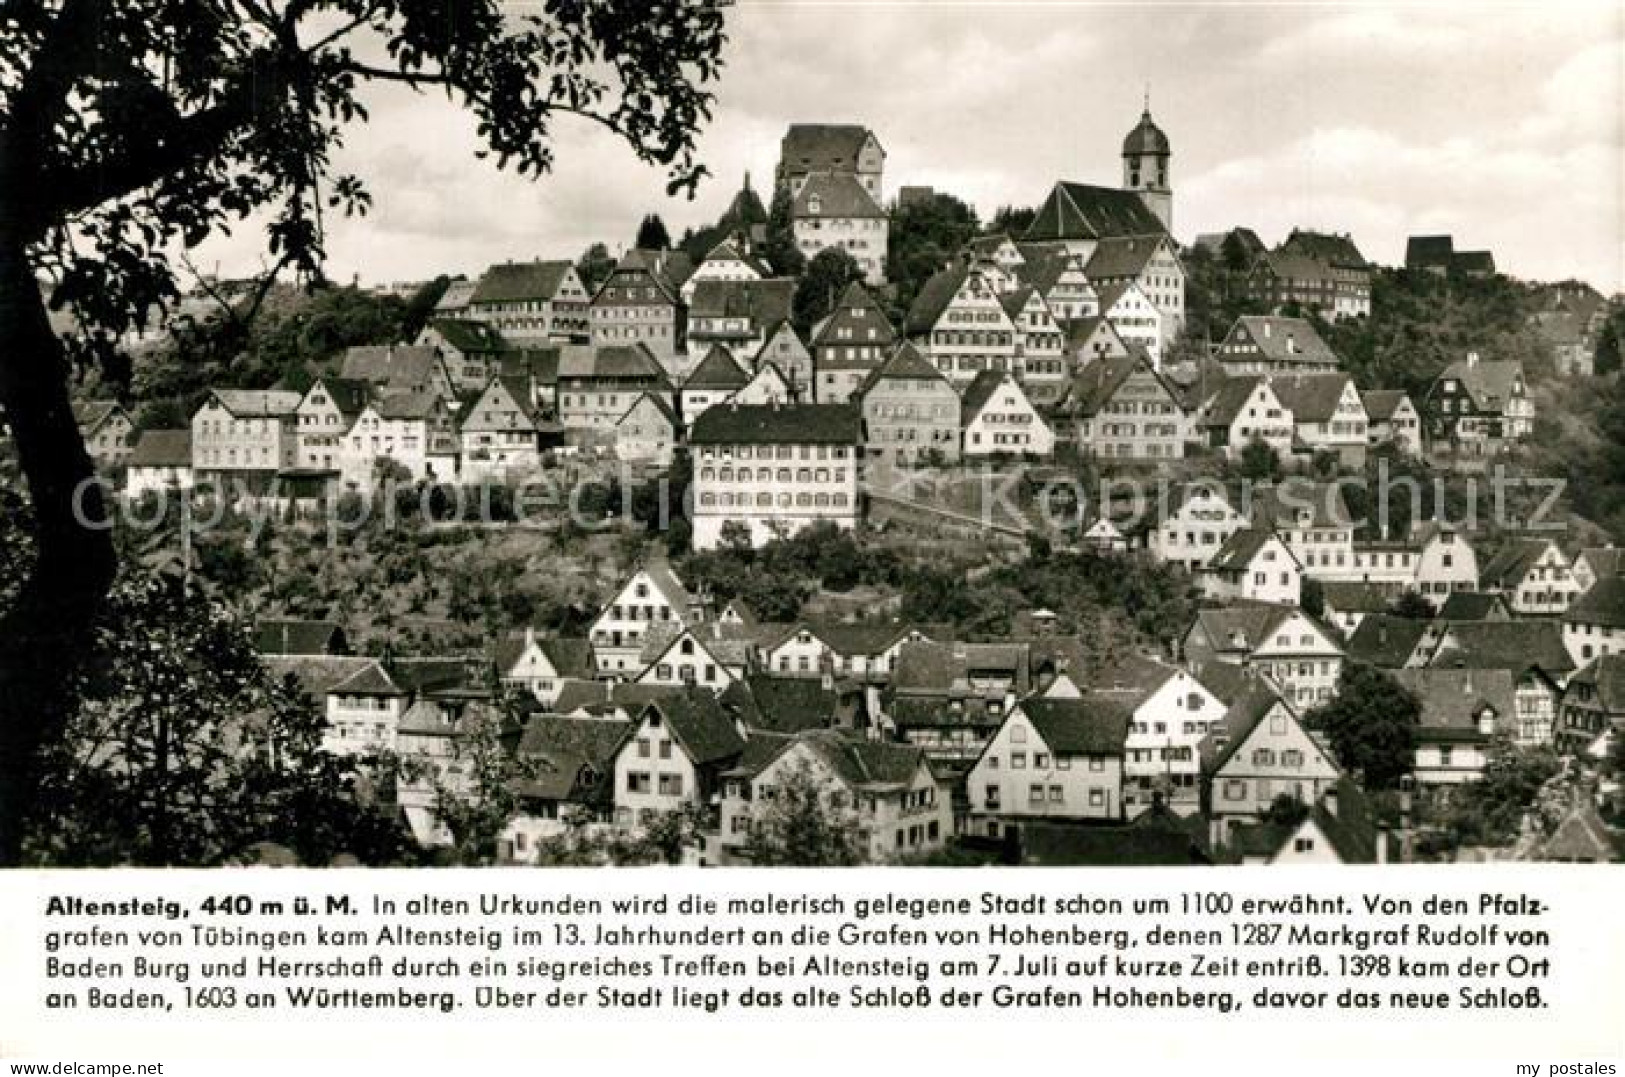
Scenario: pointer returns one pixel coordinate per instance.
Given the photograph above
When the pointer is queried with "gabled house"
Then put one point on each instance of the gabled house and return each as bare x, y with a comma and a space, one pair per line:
675, 754
1595, 563
910, 411
637, 306
849, 149
1462, 710
160, 463
958, 322
243, 430
1295, 652
999, 251
834, 210
1123, 409
785, 351
1076, 217
1050, 759
1342, 286
540, 664
290, 637
767, 386
1060, 280
106, 429
949, 698
1390, 642
1345, 604
1137, 320
708, 656
1327, 415
1197, 521
543, 300
1391, 419
648, 433
863, 652
998, 418
569, 768
1268, 344
1171, 711
849, 344
1479, 407
1474, 606
727, 261
899, 806
397, 368
1254, 565
1040, 344
1315, 521
471, 350
1534, 577
501, 433
1152, 264
1241, 411
652, 596
738, 314
1091, 338
325, 415
1594, 624
1531, 651
717, 378
1261, 751
596, 386
1593, 705
766, 703
413, 431
1340, 828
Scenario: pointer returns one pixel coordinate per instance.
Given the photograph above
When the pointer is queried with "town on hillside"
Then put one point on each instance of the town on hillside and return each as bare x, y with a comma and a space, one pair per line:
771, 614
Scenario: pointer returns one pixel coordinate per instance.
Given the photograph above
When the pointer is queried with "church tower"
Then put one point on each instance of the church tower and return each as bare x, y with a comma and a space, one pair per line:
1145, 167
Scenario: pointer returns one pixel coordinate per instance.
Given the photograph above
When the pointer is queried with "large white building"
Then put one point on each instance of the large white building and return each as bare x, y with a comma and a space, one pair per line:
774, 469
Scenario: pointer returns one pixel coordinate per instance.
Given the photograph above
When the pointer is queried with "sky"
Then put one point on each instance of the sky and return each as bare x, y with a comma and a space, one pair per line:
1501, 123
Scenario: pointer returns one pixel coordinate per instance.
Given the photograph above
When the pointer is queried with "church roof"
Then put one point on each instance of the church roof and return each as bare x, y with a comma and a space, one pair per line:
1146, 137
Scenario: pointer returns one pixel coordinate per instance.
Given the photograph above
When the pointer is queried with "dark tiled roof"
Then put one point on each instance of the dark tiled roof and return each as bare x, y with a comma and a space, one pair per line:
262, 403
1352, 596
822, 147
699, 722
1133, 676
1385, 641
1429, 252
1344, 814
419, 405
291, 637
1337, 250
1311, 398
1473, 606
1096, 384
1509, 645
89, 414
905, 363
784, 704
515, 281
348, 396
1248, 624
603, 696
1145, 138
1380, 404
162, 448
369, 680
1606, 675
865, 763
1239, 549
1512, 563
929, 667
1490, 382
718, 370
1082, 211
1226, 680
399, 365
1222, 408
828, 195
764, 302
1256, 701
1582, 836
934, 297
1451, 699
633, 363
981, 390
1323, 501
1092, 725
1604, 604
771, 424
469, 336
572, 758
1121, 256
316, 674
570, 657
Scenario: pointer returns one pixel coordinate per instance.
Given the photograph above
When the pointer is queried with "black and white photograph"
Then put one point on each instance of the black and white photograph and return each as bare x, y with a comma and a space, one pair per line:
1133, 439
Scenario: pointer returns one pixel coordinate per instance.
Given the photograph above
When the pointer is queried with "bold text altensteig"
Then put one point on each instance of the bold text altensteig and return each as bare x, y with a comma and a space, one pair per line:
389, 935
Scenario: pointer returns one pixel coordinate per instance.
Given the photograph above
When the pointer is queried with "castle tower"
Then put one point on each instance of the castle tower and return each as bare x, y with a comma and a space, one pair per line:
1145, 167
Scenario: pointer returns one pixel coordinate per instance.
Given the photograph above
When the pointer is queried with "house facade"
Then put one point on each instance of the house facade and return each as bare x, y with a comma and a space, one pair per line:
1050, 759
910, 411
999, 419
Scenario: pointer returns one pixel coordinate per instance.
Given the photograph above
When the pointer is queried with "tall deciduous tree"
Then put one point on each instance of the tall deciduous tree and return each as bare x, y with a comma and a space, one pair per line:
827, 276
1371, 724
807, 824
130, 128
924, 236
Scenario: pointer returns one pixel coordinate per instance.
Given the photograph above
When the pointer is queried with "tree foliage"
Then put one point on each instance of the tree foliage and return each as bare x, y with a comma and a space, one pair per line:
779, 245
825, 278
1371, 723
652, 234
926, 235
594, 266
808, 822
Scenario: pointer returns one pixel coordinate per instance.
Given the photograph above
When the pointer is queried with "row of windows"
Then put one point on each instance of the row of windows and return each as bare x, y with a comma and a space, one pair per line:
764, 474
781, 452
640, 781
766, 500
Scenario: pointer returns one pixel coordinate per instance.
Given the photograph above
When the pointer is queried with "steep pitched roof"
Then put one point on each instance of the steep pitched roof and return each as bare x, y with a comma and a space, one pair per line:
571, 657
945, 668
775, 424
1090, 725
1473, 606
784, 704
470, 336
822, 147
700, 724
162, 448
1256, 701
718, 370
828, 195
1282, 340
1385, 641
1581, 836
1096, 384
620, 362
1490, 382
1122, 256
1604, 604
1239, 550
1451, 699
261, 403
89, 414
1312, 398
1510, 645
1429, 252
370, 680
400, 365
1296, 267
763, 302
603, 697
419, 405
934, 297
1280, 505
1083, 211
1605, 674
981, 390
516, 281
1380, 404
904, 364
1512, 563
1346, 816
562, 751
1132, 677
1333, 248
1353, 596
